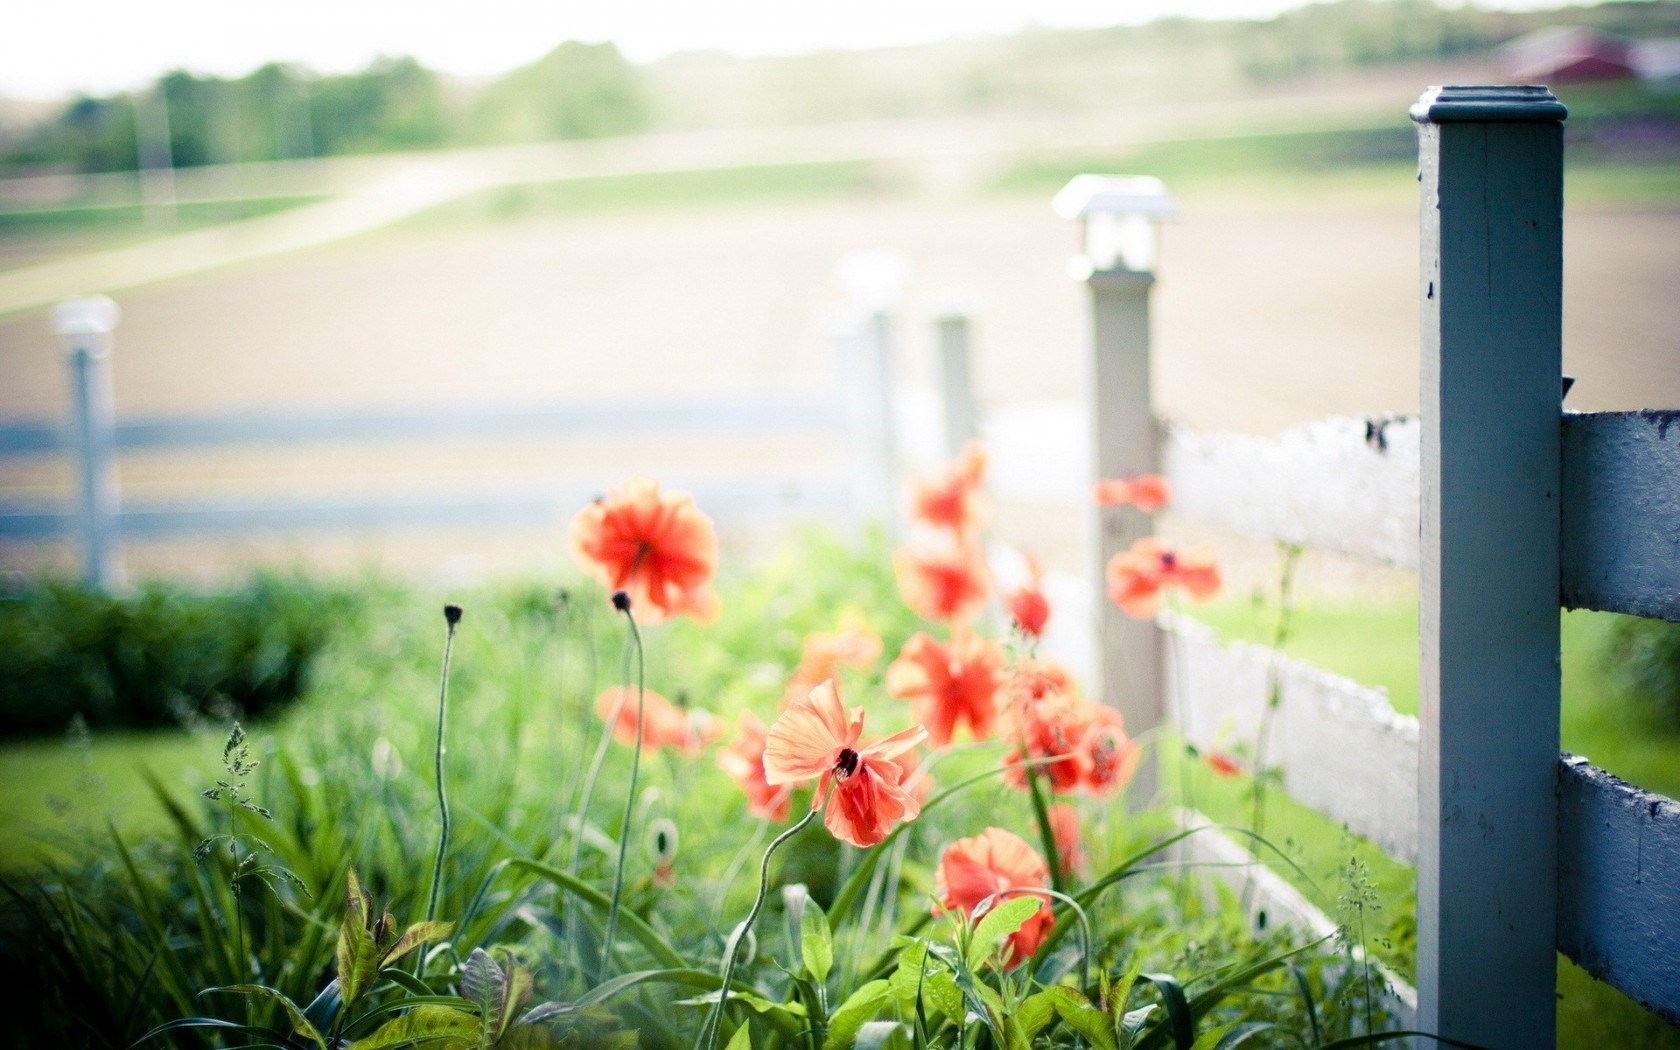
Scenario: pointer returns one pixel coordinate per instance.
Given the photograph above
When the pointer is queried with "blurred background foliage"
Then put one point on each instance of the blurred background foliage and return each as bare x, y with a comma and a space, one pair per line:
583, 90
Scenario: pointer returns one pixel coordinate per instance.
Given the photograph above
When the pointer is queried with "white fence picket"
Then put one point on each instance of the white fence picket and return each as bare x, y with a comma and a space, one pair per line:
1342, 748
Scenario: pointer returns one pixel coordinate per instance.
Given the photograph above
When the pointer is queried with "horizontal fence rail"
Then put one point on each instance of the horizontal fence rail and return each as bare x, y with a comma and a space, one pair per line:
1621, 512
721, 414
1342, 749
1345, 485
1619, 884
138, 520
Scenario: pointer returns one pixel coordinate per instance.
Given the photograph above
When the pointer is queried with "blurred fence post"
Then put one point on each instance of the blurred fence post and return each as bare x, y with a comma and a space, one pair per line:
863, 341
84, 328
960, 416
1120, 216
1491, 173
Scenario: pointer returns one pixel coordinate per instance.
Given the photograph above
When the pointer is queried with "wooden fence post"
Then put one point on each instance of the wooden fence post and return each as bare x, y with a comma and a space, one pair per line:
84, 327
1120, 215
1492, 184
958, 413
874, 283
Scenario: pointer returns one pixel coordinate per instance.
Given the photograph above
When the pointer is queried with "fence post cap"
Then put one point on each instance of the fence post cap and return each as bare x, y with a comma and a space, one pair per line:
1505, 103
1088, 195
873, 279
85, 315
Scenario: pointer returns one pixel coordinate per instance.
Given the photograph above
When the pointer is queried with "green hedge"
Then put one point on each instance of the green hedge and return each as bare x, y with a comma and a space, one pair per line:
160, 656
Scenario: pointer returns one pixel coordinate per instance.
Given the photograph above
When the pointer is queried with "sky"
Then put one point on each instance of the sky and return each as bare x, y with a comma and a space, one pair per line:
51, 48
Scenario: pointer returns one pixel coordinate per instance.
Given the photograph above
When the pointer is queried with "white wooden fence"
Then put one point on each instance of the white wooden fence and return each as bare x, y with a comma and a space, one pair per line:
854, 411
1510, 509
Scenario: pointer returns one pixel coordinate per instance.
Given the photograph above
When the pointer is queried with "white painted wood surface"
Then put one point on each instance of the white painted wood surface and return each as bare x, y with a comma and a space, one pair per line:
1621, 512
1124, 441
1491, 291
1346, 485
1342, 748
1618, 910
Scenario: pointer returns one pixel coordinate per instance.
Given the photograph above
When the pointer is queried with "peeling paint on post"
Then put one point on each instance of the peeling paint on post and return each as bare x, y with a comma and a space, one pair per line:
1491, 295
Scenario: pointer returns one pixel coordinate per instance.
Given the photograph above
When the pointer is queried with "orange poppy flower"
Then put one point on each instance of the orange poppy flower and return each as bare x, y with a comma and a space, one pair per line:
988, 866
656, 547
1136, 577
949, 684
816, 737
946, 583
664, 724
1147, 492
852, 644
1052, 728
953, 499
1107, 757
1028, 607
1064, 828
743, 759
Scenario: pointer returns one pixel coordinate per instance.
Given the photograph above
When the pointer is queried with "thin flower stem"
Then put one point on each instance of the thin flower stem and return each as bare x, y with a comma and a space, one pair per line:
630, 794
1274, 681
1046, 832
732, 949
451, 617
596, 763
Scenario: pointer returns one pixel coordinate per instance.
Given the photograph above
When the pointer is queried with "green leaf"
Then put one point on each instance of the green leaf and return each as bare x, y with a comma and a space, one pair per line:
1083, 1016
816, 943
741, 1040
632, 923
996, 925
1034, 1013
413, 937
437, 1027
358, 953
862, 1006
1180, 1022
1238, 1034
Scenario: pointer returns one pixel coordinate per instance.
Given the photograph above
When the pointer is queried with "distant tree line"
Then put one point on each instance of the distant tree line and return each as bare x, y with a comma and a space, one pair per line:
282, 112
583, 90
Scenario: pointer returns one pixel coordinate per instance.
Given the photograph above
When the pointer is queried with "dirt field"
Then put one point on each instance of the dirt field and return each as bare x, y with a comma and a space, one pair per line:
1269, 313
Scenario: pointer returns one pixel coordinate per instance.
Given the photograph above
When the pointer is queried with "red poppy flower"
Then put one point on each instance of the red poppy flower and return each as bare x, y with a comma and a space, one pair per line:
743, 759
1147, 492
949, 684
656, 547
1136, 577
1051, 729
1028, 607
946, 583
988, 866
1107, 756
1064, 828
852, 644
664, 724
816, 737
1222, 764
953, 499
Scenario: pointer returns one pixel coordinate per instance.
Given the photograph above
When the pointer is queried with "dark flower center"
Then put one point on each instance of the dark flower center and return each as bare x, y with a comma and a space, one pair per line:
1169, 560
847, 763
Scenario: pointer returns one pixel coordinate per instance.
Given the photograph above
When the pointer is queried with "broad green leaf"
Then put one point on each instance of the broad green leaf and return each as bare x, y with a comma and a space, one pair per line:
358, 954
996, 925
413, 937
1083, 1016
741, 1040
435, 1027
881, 1035
850, 1016
1034, 1013
816, 943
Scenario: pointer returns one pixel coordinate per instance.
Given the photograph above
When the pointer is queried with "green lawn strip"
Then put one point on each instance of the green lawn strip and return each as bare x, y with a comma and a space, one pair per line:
53, 791
40, 234
701, 188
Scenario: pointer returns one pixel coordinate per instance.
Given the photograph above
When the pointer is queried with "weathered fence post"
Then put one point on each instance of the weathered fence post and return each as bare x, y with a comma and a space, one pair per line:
959, 415
873, 281
1120, 217
1492, 183
84, 326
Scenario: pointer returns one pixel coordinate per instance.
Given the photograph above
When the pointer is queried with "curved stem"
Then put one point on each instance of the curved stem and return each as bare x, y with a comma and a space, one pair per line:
629, 795
709, 1033
452, 616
